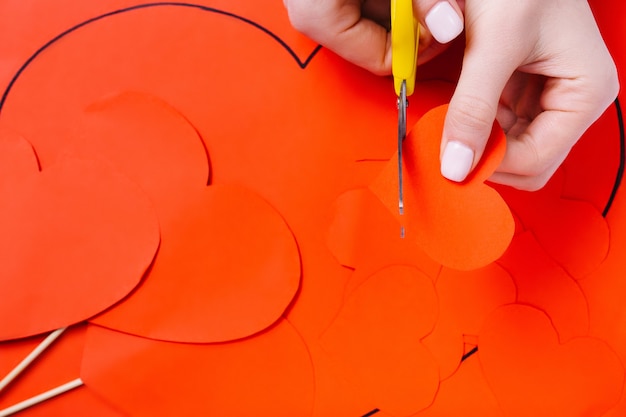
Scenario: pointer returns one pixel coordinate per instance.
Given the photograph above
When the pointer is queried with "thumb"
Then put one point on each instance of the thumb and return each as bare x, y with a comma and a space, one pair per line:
473, 108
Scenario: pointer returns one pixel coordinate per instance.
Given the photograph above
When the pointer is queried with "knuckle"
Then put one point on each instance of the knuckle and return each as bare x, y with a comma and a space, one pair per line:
472, 114
300, 15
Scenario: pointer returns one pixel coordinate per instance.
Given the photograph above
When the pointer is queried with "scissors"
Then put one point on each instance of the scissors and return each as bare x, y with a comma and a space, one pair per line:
404, 44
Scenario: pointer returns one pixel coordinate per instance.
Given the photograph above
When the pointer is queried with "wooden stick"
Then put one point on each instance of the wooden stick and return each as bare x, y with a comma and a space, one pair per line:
41, 397
30, 358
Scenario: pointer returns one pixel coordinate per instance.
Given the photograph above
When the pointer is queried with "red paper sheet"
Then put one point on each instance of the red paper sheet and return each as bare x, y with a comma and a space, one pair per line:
76, 238
158, 90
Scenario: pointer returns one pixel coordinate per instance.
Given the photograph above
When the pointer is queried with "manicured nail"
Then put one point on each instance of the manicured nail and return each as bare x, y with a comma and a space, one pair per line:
443, 22
456, 161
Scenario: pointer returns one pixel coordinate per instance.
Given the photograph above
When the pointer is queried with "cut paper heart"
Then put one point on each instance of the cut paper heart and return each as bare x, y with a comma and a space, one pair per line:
520, 353
543, 284
466, 393
364, 236
376, 340
322, 289
75, 238
150, 142
573, 233
351, 402
461, 225
227, 268
269, 374
466, 298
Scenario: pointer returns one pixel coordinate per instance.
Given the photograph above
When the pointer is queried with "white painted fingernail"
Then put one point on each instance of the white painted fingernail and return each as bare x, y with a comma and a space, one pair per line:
456, 161
443, 22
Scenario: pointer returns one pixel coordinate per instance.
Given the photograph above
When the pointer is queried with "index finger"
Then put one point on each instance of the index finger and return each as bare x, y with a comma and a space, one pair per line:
340, 26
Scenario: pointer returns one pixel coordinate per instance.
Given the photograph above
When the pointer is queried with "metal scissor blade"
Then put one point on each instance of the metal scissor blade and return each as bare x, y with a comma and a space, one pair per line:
402, 104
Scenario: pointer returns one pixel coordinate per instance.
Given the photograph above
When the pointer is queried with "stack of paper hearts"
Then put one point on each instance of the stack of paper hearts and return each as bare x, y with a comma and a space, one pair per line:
198, 216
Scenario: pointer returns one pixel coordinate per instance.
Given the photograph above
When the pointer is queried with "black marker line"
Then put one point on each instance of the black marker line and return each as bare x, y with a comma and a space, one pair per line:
301, 64
371, 413
469, 354
622, 158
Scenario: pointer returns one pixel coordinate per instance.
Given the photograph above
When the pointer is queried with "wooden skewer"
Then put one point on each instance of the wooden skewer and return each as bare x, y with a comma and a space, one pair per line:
41, 397
30, 358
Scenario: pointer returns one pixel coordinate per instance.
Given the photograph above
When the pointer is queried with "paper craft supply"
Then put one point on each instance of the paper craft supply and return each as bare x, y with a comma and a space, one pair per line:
466, 390
30, 358
376, 340
76, 238
267, 374
466, 298
543, 284
563, 219
228, 267
142, 87
149, 141
520, 351
461, 225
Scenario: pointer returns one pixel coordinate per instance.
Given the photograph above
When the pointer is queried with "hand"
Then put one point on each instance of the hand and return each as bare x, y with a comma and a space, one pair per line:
358, 30
539, 66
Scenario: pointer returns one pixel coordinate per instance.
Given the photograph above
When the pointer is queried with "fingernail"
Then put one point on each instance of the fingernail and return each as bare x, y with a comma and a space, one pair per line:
456, 161
443, 22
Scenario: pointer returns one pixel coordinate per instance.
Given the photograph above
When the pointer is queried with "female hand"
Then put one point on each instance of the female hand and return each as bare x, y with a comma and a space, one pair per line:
540, 67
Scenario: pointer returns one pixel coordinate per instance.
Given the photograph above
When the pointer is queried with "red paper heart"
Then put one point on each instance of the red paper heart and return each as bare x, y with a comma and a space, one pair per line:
75, 239
541, 283
266, 375
466, 393
150, 142
466, 298
228, 267
520, 353
376, 340
572, 232
364, 236
461, 225
155, 146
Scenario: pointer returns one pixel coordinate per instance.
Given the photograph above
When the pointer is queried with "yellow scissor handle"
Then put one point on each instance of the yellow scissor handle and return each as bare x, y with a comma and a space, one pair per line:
404, 43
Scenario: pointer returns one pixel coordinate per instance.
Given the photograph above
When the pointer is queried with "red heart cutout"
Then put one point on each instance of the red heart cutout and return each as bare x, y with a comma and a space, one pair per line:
573, 232
228, 267
461, 225
466, 298
466, 393
75, 239
543, 284
150, 142
216, 257
364, 236
520, 353
376, 340
269, 374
